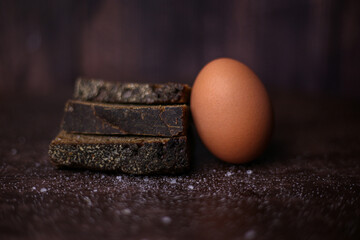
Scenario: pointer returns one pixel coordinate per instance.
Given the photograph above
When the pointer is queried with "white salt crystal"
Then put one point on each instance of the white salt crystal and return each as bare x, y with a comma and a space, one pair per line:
14, 151
250, 234
166, 220
126, 211
88, 201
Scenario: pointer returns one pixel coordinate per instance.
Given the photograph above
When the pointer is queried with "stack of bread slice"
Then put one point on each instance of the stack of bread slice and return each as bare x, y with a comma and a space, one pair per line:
125, 127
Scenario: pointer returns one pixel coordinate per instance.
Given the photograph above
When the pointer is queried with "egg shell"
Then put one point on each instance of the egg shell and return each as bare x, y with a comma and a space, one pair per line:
231, 111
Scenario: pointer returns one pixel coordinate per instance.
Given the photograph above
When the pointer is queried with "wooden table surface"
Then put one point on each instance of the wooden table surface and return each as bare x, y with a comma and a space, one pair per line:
306, 186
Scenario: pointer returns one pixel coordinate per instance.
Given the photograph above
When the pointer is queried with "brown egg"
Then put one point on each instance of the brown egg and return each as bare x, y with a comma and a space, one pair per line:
231, 111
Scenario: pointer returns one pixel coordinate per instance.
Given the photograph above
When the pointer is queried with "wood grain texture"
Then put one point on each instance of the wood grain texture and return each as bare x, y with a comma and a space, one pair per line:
309, 45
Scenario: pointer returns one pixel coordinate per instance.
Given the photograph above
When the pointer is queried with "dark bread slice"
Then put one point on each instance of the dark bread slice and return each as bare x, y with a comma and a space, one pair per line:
97, 90
133, 155
117, 119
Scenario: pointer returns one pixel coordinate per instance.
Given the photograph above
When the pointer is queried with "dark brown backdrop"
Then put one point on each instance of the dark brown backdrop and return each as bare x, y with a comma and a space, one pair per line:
306, 45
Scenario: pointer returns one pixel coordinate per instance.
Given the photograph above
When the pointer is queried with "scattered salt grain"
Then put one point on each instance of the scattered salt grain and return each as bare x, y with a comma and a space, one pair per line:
191, 187
119, 178
14, 151
166, 220
250, 234
126, 211
33, 188
172, 181
43, 190
249, 172
228, 174
88, 201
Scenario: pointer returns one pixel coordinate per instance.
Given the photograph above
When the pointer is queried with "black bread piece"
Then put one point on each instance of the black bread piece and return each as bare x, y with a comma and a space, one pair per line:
97, 90
132, 155
117, 119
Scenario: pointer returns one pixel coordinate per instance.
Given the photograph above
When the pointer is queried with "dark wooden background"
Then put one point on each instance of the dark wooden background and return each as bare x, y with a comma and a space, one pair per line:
303, 45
